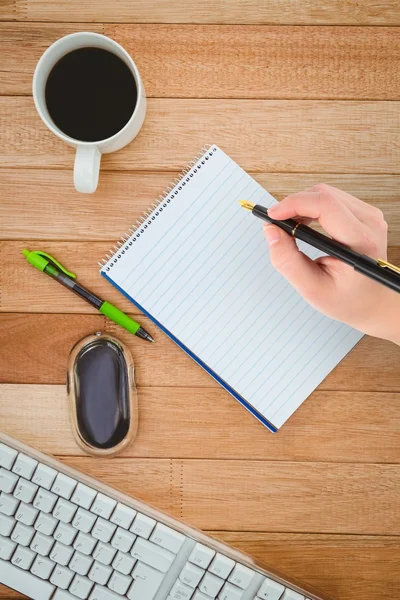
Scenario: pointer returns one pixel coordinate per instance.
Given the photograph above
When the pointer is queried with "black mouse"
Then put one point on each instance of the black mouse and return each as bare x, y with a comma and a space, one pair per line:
102, 394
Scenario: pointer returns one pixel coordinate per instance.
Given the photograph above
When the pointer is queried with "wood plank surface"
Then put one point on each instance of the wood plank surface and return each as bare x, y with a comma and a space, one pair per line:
24, 289
263, 135
270, 496
328, 427
214, 61
68, 218
343, 567
318, 12
27, 340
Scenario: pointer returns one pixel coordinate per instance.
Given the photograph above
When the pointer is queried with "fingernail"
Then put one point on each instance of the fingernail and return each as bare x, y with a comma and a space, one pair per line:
272, 209
272, 234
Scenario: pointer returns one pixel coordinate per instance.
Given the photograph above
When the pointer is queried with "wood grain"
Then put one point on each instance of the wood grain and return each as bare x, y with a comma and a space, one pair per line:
225, 61
319, 12
262, 135
328, 426
270, 496
68, 218
343, 567
27, 340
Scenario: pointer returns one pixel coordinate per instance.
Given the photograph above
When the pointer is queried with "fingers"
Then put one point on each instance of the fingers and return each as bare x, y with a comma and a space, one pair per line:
333, 214
365, 212
309, 278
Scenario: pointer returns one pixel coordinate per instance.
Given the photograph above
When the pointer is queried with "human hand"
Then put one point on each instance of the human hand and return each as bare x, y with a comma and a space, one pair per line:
328, 284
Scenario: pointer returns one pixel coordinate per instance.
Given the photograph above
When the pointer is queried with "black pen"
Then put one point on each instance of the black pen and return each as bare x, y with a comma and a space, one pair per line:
379, 270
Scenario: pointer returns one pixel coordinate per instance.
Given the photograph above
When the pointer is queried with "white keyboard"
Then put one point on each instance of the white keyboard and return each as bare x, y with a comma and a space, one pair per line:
64, 536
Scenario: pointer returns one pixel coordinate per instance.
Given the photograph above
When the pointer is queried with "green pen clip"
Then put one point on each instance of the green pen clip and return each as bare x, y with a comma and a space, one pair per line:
40, 260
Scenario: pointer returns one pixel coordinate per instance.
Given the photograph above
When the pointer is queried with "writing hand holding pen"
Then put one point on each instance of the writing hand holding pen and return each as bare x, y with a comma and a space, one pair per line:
328, 284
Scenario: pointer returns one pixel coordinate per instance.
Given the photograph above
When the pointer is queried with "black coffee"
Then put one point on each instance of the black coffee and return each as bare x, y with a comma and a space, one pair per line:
90, 94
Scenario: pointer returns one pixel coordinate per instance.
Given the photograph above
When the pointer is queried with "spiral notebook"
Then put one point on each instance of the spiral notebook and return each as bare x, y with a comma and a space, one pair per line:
197, 265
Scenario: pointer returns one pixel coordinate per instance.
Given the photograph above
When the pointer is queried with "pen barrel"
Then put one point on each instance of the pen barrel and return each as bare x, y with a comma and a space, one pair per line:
325, 244
369, 267
262, 213
116, 315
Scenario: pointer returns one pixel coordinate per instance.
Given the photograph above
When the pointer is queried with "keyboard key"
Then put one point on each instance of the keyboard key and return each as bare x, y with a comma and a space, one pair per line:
24, 466
44, 476
100, 573
25, 490
103, 506
123, 540
123, 516
241, 576
101, 593
7, 456
191, 575
61, 577
221, 565
42, 567
81, 586
200, 596
119, 583
152, 555
291, 595
45, 523
6, 525
65, 534
142, 526
64, 486
103, 530
83, 496
80, 563
7, 548
64, 510
201, 556
25, 583
230, 592
104, 553
167, 538
123, 563
84, 543
42, 544
23, 558
44, 500
270, 590
26, 514
83, 520
211, 585
8, 504
180, 591
22, 534
61, 554
8, 481
146, 582
63, 595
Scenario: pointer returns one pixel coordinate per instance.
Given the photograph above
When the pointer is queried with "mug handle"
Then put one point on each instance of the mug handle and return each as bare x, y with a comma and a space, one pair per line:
86, 169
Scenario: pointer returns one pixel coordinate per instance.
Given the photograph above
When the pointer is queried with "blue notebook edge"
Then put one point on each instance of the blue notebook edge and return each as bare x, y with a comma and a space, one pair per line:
203, 365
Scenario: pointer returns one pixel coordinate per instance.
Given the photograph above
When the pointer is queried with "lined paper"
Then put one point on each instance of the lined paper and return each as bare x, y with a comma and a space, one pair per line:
199, 265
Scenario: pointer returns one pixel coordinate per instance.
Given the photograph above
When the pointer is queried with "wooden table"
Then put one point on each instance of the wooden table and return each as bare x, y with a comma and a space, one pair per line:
297, 93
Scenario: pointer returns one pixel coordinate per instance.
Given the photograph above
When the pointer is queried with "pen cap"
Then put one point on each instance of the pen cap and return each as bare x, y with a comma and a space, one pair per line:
36, 260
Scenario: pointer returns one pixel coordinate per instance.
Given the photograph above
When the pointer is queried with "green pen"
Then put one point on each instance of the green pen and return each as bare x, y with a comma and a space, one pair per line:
47, 264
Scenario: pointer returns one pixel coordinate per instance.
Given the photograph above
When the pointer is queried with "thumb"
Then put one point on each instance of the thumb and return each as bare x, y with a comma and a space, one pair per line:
309, 278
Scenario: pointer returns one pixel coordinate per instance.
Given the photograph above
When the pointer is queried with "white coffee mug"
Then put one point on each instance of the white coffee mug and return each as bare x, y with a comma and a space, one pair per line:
88, 154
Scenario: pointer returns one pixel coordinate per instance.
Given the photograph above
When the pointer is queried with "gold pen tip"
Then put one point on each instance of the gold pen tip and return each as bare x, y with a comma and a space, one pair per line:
246, 204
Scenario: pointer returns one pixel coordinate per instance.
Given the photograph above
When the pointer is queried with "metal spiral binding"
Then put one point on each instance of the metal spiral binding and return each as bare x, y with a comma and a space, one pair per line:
145, 220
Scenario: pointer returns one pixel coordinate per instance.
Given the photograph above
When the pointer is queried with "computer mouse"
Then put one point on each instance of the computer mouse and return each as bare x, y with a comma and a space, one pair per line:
102, 395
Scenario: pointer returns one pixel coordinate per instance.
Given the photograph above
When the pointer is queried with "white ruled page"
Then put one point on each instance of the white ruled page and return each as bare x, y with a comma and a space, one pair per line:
200, 266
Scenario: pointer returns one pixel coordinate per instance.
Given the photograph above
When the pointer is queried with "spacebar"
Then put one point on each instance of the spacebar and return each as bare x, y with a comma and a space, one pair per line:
24, 582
